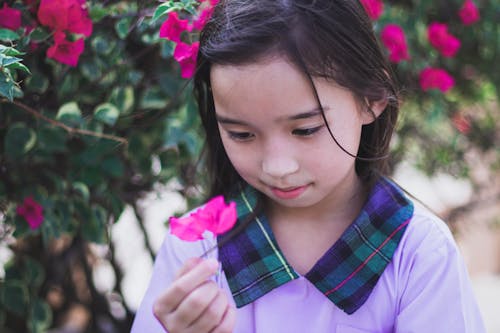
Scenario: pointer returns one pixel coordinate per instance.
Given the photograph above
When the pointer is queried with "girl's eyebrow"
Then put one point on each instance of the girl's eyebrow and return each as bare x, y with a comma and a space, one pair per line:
303, 115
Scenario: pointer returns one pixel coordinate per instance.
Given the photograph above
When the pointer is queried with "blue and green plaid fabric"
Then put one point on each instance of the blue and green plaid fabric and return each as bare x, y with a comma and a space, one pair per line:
346, 273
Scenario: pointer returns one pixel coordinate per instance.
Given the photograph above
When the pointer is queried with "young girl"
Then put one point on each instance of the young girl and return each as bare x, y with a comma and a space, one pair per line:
299, 105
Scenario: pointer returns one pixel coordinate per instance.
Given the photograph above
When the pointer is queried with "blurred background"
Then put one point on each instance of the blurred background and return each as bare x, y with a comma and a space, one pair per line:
100, 144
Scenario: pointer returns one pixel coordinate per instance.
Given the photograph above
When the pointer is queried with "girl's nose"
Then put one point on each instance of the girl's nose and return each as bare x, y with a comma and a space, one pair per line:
278, 166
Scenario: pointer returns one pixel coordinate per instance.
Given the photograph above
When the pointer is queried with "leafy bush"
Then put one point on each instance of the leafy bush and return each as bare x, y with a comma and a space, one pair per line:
95, 112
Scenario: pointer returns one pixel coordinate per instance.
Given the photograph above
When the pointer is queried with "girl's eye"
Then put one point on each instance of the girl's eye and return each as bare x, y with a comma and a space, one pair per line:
306, 131
240, 136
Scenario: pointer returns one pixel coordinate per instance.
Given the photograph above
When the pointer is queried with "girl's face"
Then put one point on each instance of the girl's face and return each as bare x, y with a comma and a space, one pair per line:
275, 136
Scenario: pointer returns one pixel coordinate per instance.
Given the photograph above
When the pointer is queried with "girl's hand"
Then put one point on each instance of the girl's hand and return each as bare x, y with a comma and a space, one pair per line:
193, 303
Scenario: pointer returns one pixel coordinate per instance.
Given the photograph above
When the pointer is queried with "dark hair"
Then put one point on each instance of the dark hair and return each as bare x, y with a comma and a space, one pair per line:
331, 39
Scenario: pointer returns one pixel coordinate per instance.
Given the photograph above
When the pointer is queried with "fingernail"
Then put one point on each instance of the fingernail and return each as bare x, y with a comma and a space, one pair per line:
212, 264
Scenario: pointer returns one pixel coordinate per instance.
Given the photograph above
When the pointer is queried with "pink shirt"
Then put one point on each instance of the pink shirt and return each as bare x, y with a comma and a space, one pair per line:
424, 289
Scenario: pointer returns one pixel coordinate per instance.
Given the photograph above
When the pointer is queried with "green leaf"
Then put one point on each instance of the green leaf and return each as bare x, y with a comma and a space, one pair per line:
82, 189
102, 45
10, 51
8, 35
122, 27
123, 98
163, 9
93, 223
52, 139
40, 316
14, 296
19, 140
107, 113
37, 83
97, 12
153, 99
7, 85
70, 114
39, 35
8, 60
19, 66
113, 166
34, 273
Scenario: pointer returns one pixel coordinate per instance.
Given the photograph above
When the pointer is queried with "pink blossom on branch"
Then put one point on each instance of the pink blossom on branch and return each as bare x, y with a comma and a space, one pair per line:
373, 8
469, 14
10, 18
393, 37
215, 216
65, 15
31, 211
461, 123
64, 51
442, 40
185, 55
436, 78
173, 27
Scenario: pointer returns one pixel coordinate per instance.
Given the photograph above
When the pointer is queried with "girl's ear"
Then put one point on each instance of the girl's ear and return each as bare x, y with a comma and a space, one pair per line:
373, 110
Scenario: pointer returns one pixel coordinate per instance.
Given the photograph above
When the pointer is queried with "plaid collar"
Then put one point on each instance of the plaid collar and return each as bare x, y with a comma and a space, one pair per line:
346, 274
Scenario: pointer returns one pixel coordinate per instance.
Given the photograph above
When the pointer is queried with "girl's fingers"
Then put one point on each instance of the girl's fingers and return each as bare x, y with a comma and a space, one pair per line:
184, 285
194, 306
228, 321
188, 265
212, 314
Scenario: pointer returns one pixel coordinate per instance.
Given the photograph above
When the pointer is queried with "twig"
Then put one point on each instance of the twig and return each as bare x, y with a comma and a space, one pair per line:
67, 128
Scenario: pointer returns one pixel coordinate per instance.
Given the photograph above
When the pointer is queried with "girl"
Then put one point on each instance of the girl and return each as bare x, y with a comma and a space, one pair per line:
299, 105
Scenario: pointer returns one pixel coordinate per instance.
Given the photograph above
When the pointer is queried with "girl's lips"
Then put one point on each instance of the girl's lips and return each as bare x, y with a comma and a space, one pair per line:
289, 193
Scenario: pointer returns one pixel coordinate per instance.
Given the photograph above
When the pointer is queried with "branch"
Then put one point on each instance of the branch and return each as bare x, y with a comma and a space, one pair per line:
70, 130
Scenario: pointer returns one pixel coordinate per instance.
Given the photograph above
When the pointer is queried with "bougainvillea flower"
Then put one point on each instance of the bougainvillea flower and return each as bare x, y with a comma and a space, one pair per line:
436, 78
461, 123
373, 8
215, 216
442, 40
173, 27
65, 15
202, 18
10, 18
64, 51
469, 14
31, 211
393, 37
185, 55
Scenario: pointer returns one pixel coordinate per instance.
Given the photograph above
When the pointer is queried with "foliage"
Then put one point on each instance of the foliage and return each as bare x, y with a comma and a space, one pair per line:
95, 112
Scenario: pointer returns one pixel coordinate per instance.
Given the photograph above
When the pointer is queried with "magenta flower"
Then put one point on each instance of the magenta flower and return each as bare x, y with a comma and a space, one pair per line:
215, 216
65, 15
393, 37
64, 51
442, 40
469, 14
32, 212
173, 27
202, 18
436, 78
373, 8
10, 18
185, 55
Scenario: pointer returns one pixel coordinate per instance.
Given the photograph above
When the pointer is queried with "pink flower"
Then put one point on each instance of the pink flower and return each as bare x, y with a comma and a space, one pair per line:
185, 55
202, 18
32, 212
461, 123
393, 37
436, 78
65, 15
10, 18
64, 51
373, 8
442, 40
215, 216
469, 14
173, 27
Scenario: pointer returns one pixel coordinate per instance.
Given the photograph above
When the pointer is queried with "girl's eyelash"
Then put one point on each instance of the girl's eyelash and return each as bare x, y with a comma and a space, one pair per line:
306, 131
240, 136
